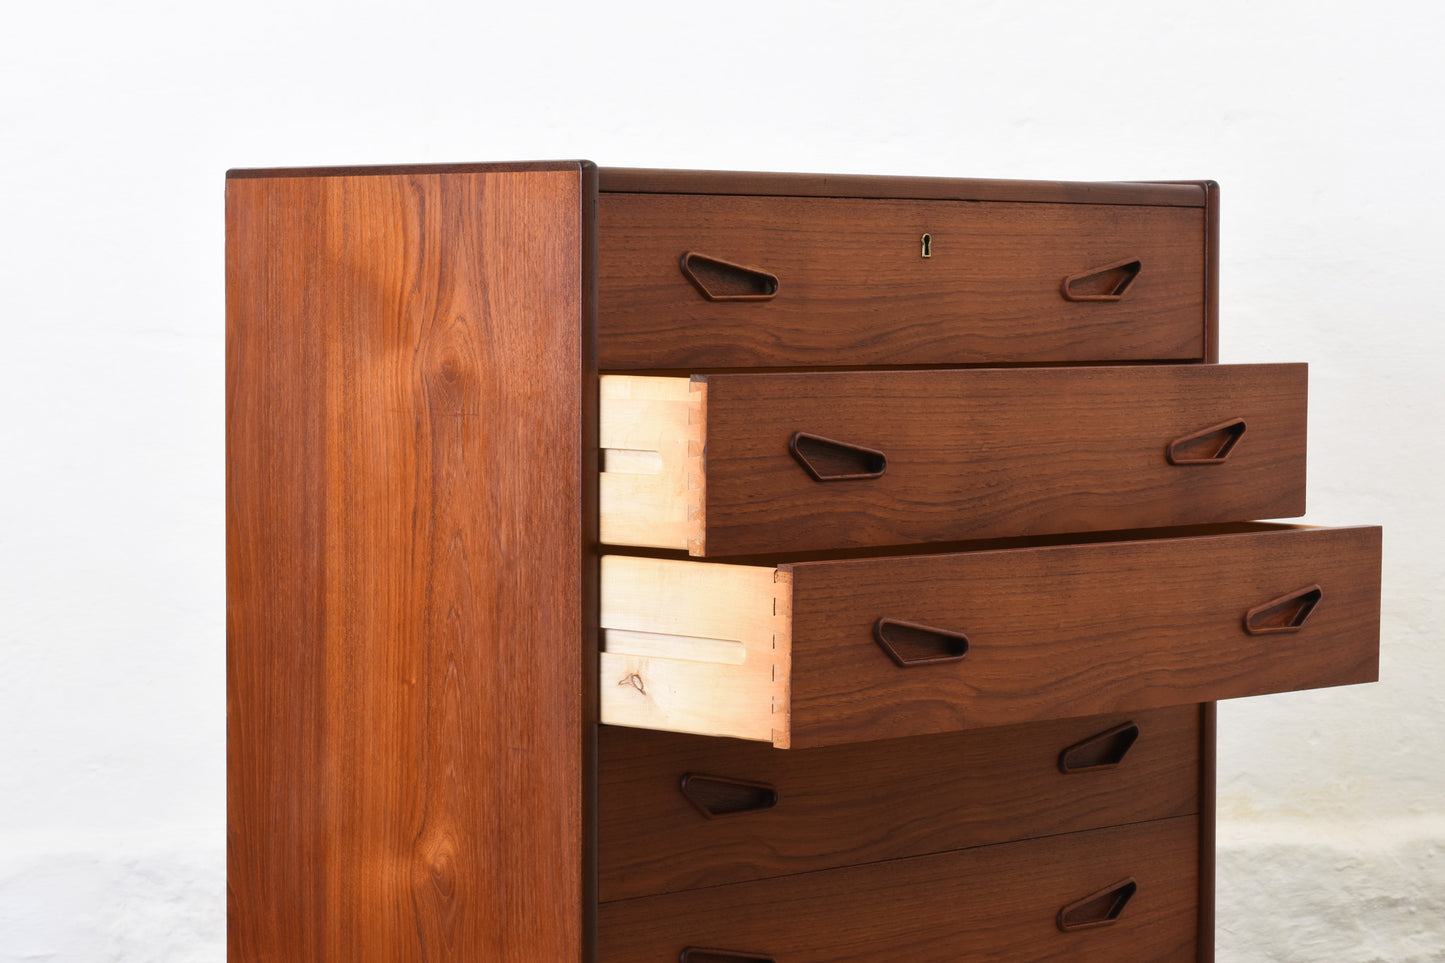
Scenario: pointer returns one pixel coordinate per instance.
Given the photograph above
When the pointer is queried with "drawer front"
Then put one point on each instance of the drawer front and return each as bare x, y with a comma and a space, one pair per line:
996, 902
772, 463
1076, 630
833, 652
680, 812
788, 281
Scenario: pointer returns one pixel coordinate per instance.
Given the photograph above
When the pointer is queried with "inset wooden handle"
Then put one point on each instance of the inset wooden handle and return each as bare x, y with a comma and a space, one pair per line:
716, 796
1207, 446
719, 280
829, 460
1288, 613
1098, 909
694, 955
1103, 751
1107, 283
910, 644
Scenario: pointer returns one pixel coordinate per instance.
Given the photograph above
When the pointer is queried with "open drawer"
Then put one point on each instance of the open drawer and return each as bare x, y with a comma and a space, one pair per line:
738, 464
831, 652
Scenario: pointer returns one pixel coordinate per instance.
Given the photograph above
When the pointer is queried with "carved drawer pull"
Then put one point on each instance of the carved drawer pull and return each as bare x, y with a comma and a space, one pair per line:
1098, 909
719, 280
1288, 613
829, 460
1107, 283
1103, 751
716, 796
910, 644
694, 955
1207, 446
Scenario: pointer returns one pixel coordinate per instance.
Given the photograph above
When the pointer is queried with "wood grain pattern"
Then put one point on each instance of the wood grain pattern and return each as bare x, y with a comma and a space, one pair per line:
989, 453
995, 903
874, 801
407, 369
650, 181
853, 289
1078, 630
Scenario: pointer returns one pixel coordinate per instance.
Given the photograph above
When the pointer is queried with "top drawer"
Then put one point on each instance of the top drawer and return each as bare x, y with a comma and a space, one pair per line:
701, 281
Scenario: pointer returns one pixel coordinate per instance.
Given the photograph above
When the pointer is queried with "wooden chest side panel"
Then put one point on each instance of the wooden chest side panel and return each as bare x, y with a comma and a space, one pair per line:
405, 494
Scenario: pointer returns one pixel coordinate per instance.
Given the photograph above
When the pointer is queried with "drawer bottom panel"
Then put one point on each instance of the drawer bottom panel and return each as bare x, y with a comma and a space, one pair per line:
999, 902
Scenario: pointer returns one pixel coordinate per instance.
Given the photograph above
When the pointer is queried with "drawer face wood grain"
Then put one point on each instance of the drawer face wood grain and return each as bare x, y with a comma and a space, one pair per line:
680, 812
996, 903
1064, 631
772, 463
1051, 632
851, 286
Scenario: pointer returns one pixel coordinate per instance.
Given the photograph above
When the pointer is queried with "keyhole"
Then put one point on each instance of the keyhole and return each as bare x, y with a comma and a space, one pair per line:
928, 245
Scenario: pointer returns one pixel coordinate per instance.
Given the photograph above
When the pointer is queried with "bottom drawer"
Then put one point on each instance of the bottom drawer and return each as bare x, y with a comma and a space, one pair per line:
1124, 893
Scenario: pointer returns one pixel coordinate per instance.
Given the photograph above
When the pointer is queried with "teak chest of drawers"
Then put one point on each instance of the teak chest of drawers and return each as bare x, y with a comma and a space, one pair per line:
633, 566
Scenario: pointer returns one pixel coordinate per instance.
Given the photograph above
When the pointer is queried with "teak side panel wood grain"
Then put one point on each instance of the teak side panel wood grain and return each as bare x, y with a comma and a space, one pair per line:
853, 288
407, 370
996, 452
874, 801
1076, 630
993, 903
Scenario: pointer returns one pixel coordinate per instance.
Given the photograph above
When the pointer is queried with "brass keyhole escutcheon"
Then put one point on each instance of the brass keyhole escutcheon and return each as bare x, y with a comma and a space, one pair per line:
927, 243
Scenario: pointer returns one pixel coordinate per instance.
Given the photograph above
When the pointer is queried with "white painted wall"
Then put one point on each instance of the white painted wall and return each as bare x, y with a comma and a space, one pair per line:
1321, 120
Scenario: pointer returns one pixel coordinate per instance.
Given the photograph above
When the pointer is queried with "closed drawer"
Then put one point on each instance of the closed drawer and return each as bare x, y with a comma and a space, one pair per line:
1041, 899
680, 812
703, 281
739, 464
830, 652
